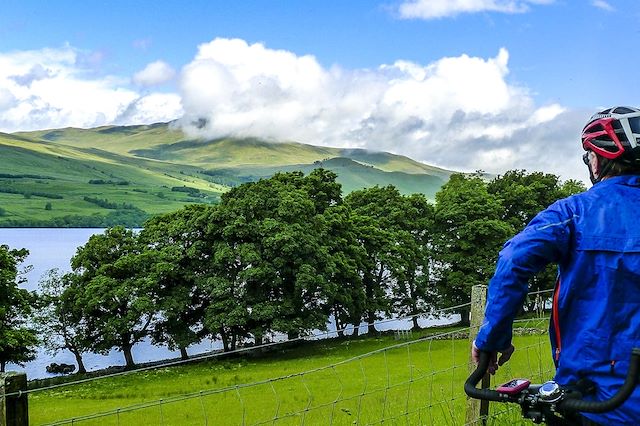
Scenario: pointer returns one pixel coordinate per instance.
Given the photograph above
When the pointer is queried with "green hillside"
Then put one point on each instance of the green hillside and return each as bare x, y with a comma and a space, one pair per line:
236, 152
115, 174
41, 182
118, 139
352, 175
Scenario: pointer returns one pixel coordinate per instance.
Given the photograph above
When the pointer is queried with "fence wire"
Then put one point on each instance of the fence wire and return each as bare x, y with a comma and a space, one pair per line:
412, 382
248, 349
416, 381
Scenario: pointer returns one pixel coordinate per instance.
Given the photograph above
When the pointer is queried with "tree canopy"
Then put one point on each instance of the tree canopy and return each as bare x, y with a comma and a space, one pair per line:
115, 289
18, 340
283, 255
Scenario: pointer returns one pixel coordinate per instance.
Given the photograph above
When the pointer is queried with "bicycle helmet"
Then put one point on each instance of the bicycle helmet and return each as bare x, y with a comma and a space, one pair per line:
614, 134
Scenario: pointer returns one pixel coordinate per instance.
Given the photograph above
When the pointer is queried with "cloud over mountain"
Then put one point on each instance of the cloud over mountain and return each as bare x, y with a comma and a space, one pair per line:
458, 112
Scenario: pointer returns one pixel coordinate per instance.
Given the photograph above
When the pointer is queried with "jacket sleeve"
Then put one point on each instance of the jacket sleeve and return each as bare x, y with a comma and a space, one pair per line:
543, 241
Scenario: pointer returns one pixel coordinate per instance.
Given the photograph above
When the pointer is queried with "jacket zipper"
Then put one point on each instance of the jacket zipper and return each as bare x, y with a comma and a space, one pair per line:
556, 320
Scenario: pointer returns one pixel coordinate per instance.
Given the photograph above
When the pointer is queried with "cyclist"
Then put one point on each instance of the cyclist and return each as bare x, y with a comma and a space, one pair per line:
594, 237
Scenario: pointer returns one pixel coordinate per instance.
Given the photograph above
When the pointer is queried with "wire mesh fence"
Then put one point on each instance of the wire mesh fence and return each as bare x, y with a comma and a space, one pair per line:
417, 381
414, 382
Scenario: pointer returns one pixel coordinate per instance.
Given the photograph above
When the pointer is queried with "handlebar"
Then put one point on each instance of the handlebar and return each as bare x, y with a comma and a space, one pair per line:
616, 400
470, 385
570, 402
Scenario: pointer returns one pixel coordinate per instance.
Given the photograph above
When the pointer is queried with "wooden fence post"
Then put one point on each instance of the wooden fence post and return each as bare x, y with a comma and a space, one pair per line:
477, 411
13, 408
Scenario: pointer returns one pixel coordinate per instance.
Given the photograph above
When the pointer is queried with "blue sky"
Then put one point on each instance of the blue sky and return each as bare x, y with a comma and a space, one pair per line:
462, 84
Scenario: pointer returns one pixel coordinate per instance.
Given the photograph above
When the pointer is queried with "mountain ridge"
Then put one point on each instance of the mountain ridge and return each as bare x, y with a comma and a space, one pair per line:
146, 165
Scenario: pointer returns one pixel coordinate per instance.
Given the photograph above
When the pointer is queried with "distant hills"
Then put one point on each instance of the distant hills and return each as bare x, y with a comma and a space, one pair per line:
123, 174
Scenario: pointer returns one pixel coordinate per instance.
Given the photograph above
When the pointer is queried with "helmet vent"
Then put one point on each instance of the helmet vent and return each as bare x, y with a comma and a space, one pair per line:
596, 128
623, 110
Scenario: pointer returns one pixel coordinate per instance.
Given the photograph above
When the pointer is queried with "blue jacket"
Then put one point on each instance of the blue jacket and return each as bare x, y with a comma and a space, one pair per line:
594, 237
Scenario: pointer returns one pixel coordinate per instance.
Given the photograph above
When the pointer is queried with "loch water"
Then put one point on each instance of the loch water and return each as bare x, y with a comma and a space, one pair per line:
51, 248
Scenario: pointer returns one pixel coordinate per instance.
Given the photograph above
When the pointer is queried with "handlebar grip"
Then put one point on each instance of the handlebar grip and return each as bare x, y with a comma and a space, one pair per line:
616, 400
475, 377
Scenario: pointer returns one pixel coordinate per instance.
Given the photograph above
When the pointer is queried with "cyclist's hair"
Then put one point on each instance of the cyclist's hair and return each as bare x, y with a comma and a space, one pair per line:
618, 168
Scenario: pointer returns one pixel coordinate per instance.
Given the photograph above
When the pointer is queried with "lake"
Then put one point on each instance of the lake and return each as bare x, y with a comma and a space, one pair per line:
54, 247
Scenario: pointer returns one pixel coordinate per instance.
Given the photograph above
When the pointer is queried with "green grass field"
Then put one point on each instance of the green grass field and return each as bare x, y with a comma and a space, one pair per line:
34, 174
336, 381
153, 159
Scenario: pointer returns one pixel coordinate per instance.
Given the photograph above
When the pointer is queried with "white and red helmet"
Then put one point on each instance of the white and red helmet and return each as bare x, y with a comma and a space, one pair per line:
614, 132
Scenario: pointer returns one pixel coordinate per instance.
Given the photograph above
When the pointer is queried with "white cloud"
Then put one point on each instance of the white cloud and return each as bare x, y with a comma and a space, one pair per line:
460, 113
433, 9
153, 108
7, 100
601, 4
53, 88
457, 112
153, 74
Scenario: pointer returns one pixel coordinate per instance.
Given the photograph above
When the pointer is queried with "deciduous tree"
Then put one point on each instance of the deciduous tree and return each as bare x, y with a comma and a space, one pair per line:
469, 232
18, 341
271, 255
116, 289
60, 323
176, 242
413, 285
393, 232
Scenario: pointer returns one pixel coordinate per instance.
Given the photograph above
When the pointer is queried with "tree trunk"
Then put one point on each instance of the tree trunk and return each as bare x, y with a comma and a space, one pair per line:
225, 339
368, 288
416, 326
183, 353
2, 365
371, 319
414, 312
356, 330
128, 356
339, 327
258, 338
78, 356
234, 339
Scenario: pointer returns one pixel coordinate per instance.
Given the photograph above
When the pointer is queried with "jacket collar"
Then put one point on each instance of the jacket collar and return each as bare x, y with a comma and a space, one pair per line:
629, 180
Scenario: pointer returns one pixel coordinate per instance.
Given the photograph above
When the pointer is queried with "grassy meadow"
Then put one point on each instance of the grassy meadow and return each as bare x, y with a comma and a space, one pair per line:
41, 181
47, 175
368, 380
